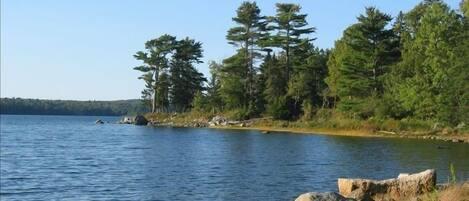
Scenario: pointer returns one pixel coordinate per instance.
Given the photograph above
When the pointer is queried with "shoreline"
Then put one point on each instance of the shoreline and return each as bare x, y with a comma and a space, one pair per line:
462, 138
266, 126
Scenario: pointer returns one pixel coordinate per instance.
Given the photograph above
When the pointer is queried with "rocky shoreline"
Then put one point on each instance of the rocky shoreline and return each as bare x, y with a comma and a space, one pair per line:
221, 122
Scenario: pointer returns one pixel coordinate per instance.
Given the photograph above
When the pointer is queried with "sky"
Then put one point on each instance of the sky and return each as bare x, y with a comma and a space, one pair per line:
82, 50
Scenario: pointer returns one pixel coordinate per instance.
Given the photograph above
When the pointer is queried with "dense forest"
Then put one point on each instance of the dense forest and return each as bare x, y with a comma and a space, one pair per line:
67, 107
411, 66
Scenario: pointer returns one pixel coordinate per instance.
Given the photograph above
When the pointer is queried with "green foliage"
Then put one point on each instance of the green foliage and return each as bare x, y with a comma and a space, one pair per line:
199, 102
186, 81
289, 27
239, 113
278, 108
361, 60
431, 80
233, 81
171, 80
308, 110
452, 172
378, 76
215, 101
239, 83
465, 7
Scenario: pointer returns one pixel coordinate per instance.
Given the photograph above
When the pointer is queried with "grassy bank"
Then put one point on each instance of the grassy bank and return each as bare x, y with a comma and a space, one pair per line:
457, 191
327, 124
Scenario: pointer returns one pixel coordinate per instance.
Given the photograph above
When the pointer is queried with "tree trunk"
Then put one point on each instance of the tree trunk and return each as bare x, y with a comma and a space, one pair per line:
155, 90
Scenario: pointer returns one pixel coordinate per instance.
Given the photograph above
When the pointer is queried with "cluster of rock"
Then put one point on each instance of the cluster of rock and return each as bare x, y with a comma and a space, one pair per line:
404, 186
136, 120
194, 124
222, 121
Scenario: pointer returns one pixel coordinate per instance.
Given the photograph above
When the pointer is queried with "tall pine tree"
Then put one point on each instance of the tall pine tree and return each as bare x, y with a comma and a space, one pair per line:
371, 50
155, 62
249, 30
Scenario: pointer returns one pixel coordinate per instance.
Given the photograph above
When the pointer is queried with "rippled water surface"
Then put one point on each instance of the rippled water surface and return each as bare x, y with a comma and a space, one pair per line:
71, 158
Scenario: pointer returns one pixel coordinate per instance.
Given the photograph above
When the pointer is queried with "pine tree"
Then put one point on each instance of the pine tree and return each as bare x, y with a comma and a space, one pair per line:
288, 26
215, 102
335, 60
155, 61
251, 28
369, 53
233, 81
184, 77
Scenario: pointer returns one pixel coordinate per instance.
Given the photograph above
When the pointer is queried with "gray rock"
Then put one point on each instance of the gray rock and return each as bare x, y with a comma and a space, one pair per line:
217, 121
391, 189
126, 120
326, 196
137, 120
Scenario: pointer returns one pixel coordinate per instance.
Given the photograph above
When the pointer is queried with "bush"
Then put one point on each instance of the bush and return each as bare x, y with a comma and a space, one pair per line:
278, 108
238, 114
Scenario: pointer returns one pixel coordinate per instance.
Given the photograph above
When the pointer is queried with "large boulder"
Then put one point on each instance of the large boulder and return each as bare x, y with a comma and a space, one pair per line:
327, 196
140, 120
391, 189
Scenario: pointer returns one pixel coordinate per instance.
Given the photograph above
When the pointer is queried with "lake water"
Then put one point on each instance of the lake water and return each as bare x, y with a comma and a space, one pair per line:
71, 158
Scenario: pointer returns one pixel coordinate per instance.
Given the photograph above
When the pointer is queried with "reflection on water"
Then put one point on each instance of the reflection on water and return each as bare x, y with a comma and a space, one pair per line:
63, 157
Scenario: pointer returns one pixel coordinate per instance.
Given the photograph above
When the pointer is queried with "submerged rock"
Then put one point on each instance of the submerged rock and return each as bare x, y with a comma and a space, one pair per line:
327, 196
391, 189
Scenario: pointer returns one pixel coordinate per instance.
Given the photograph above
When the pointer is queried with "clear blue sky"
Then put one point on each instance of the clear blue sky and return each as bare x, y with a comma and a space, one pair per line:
82, 49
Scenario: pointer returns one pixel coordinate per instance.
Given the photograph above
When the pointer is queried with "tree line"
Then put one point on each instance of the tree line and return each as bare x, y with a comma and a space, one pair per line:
415, 65
68, 107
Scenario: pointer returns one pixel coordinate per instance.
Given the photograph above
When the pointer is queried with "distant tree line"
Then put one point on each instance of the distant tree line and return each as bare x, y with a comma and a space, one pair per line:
415, 65
67, 107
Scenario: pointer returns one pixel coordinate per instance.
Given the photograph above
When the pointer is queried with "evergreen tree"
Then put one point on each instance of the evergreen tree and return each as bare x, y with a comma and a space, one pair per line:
251, 28
289, 26
215, 102
275, 87
371, 50
155, 61
199, 102
307, 80
185, 79
335, 60
233, 79
432, 76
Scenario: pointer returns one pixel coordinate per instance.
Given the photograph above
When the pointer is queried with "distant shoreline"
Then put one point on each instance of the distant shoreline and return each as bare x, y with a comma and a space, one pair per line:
22, 106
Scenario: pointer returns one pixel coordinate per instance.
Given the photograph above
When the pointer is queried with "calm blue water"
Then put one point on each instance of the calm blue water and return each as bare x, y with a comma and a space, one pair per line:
71, 158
